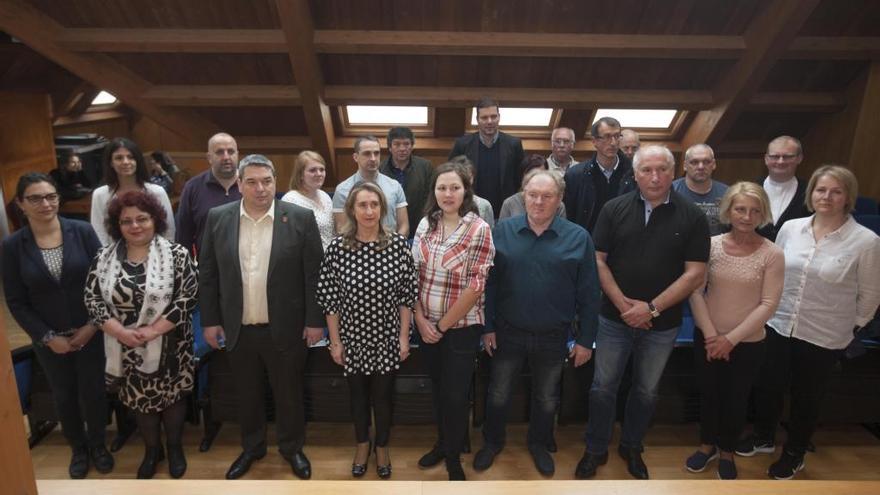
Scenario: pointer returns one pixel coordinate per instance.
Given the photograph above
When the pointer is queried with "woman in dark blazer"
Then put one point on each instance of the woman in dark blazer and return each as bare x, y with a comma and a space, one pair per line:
44, 274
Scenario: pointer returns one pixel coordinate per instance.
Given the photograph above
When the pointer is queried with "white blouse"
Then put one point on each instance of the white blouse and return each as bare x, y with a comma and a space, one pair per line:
831, 286
323, 211
101, 198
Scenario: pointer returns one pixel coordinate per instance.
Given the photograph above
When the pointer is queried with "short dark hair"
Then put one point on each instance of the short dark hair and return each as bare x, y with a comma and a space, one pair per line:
486, 102
141, 174
531, 162
400, 133
29, 179
63, 158
361, 139
141, 200
608, 121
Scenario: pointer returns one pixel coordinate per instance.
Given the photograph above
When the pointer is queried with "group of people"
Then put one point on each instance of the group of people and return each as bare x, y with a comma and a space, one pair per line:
587, 261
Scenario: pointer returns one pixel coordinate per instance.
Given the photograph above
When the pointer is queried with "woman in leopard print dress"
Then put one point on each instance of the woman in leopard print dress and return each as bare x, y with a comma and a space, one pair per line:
141, 291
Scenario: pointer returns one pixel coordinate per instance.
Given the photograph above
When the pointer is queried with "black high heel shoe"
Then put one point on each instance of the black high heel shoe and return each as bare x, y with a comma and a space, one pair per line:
384, 472
358, 470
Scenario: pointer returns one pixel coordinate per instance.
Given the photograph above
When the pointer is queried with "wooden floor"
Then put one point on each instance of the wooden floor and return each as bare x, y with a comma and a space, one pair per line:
843, 453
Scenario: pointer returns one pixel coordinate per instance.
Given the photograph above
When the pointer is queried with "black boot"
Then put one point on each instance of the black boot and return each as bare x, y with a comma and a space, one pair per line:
176, 461
79, 463
152, 457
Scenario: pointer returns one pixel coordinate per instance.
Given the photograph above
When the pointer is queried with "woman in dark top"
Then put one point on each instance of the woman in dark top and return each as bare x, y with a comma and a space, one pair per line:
367, 289
162, 170
69, 177
44, 272
141, 291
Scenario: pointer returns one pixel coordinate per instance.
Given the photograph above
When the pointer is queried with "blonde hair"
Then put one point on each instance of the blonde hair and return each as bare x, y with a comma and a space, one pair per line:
749, 190
299, 167
349, 229
839, 173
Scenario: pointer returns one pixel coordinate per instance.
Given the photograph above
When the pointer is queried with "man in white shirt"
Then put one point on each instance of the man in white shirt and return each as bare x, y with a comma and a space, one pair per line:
561, 144
366, 155
786, 192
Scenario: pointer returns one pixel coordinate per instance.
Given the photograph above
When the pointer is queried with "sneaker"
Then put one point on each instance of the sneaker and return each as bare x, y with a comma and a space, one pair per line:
726, 469
698, 461
786, 467
752, 445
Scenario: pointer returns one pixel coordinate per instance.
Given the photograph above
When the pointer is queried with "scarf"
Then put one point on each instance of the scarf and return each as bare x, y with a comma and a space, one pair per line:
158, 291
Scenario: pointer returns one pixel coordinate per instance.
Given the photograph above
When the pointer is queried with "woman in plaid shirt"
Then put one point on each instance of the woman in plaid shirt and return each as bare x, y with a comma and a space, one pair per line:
453, 252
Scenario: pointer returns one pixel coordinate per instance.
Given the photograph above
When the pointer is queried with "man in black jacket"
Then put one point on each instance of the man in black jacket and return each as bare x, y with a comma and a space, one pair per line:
786, 192
589, 185
497, 157
411, 171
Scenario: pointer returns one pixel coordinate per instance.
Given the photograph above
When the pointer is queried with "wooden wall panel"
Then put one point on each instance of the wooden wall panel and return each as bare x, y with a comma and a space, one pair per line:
16, 468
26, 138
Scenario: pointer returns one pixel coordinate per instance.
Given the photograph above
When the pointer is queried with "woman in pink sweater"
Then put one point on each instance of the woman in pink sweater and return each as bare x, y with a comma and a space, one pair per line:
743, 286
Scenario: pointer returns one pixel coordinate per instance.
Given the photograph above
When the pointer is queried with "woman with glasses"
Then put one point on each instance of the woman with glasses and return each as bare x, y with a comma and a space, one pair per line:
125, 170
44, 273
140, 291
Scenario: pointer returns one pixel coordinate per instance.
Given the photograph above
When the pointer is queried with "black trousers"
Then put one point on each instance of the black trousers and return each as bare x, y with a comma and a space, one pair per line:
376, 390
77, 382
724, 390
804, 368
450, 365
254, 356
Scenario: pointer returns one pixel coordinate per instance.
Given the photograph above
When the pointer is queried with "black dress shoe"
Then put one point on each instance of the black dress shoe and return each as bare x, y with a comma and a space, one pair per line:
241, 465
300, 464
588, 464
484, 458
79, 463
102, 459
176, 461
152, 457
433, 457
542, 459
634, 463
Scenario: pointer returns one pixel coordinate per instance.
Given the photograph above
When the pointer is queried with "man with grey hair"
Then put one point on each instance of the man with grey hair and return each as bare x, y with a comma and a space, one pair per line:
698, 186
258, 275
629, 142
366, 155
590, 184
652, 246
543, 280
213, 187
561, 144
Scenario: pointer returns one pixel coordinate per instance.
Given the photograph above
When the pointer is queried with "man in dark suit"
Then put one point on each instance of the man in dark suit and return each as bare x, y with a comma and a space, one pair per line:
786, 192
497, 157
258, 274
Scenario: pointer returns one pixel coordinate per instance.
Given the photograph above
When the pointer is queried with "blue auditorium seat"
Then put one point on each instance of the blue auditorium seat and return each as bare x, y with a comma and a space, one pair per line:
870, 221
866, 206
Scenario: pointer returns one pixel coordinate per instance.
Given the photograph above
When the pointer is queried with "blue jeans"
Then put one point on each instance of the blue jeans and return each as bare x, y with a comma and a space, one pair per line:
545, 352
650, 350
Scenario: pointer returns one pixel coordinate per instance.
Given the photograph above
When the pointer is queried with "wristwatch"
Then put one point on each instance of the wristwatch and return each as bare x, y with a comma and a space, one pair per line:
653, 309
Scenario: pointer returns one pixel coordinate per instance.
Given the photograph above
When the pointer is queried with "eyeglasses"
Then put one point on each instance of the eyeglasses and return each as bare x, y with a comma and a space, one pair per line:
562, 142
37, 199
609, 137
140, 221
776, 158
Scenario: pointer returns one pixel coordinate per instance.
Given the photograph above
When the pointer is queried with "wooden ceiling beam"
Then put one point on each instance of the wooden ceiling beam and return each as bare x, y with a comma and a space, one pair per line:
89, 117
573, 45
798, 102
444, 144
834, 48
767, 37
298, 28
224, 95
40, 32
273, 143
466, 96
173, 40
528, 44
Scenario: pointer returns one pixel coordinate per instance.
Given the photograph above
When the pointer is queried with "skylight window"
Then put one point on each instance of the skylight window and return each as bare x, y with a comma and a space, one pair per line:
104, 98
387, 115
521, 117
640, 119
